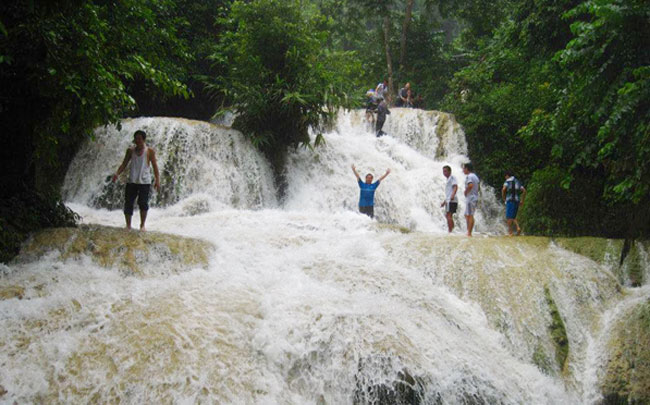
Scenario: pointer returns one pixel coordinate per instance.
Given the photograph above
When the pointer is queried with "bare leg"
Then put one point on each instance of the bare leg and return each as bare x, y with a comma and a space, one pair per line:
128, 220
143, 218
470, 224
518, 227
509, 222
450, 222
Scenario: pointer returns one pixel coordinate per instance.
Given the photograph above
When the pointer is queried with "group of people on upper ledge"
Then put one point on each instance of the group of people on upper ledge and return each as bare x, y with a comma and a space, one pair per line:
512, 192
378, 99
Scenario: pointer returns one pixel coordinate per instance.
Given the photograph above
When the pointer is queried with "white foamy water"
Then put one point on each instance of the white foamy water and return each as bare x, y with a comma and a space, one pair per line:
304, 301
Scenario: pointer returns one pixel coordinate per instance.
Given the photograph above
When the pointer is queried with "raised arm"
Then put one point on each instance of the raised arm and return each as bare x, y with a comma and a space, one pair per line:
385, 174
154, 163
354, 169
125, 162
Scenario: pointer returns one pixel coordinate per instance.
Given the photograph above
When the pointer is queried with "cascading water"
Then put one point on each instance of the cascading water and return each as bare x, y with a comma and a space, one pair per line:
205, 163
304, 301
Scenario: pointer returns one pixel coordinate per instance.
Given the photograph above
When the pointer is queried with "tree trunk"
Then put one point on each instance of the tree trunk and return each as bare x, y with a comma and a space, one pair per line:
389, 61
405, 27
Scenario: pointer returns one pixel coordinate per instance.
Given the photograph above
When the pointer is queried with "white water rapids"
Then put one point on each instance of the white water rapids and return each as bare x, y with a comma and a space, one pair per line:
304, 300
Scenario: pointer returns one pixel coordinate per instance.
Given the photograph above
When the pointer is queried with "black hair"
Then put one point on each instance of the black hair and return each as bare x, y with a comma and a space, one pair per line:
447, 167
141, 133
469, 166
508, 173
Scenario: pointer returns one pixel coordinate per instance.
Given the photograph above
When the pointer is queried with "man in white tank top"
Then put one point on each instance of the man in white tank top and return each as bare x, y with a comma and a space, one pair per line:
139, 183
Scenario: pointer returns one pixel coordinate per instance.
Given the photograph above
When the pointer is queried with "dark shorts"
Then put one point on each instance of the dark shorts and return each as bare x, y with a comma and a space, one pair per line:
369, 211
380, 124
511, 209
139, 191
451, 207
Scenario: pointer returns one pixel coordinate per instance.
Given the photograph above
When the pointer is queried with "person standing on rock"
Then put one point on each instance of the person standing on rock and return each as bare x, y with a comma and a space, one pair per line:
382, 111
451, 200
471, 196
138, 185
367, 192
510, 193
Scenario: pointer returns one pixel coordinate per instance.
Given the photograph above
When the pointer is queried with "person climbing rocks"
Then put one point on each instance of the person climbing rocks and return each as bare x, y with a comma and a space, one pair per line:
471, 196
371, 108
367, 192
140, 157
382, 89
510, 192
451, 199
382, 111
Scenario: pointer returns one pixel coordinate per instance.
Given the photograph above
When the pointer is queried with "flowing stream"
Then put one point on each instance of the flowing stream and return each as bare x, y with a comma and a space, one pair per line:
302, 300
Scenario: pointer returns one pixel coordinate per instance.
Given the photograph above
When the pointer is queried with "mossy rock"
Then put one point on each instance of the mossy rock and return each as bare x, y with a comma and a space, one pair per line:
635, 267
627, 370
604, 251
132, 252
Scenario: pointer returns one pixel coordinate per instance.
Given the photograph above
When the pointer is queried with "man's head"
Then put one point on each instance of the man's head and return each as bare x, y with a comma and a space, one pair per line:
369, 178
139, 137
407, 86
508, 174
468, 168
446, 171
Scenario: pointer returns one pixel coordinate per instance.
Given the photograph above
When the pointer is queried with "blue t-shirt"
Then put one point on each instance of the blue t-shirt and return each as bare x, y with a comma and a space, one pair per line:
367, 193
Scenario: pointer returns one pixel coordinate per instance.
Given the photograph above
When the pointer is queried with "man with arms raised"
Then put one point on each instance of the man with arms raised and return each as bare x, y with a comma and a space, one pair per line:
367, 192
139, 183
451, 200
471, 196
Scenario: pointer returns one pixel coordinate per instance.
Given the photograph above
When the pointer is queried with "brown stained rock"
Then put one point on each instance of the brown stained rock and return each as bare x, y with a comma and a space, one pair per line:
132, 252
12, 291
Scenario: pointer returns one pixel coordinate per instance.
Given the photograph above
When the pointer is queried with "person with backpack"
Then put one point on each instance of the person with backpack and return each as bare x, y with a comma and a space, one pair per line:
510, 192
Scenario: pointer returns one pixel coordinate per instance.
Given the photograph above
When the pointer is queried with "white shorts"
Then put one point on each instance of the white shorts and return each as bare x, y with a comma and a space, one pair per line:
470, 207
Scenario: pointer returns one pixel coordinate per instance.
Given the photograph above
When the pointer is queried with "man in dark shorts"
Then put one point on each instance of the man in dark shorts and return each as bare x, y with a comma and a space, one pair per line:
510, 193
138, 185
367, 192
451, 200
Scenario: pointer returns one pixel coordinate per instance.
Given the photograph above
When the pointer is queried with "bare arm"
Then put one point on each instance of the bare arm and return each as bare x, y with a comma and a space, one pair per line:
384, 176
503, 193
469, 188
154, 163
453, 195
354, 169
523, 195
125, 162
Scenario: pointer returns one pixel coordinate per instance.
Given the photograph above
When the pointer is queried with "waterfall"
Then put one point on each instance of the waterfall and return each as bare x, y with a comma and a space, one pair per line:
208, 164
299, 300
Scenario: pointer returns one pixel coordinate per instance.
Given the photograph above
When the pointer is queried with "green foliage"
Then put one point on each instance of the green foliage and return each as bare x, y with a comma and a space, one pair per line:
605, 109
70, 66
278, 77
565, 102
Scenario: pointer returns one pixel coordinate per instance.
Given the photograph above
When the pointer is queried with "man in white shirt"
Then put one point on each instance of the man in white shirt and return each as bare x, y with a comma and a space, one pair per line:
471, 196
140, 157
451, 200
